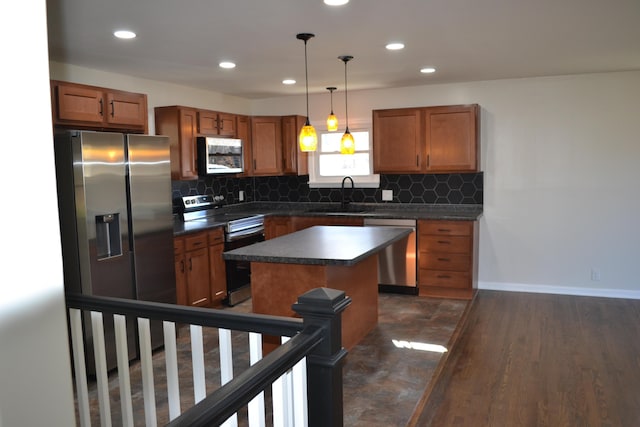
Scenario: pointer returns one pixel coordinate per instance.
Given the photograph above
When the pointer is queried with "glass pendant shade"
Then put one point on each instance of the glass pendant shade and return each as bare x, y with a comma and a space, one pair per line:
308, 139
347, 144
332, 120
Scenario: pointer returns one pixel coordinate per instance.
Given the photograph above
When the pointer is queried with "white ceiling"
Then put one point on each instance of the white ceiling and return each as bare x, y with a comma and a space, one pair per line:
182, 41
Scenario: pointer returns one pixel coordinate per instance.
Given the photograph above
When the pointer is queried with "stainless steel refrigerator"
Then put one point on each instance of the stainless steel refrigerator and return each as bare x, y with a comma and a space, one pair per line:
116, 220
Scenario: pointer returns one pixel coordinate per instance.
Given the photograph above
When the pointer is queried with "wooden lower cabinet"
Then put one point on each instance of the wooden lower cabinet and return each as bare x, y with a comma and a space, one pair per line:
447, 258
302, 222
217, 267
276, 226
200, 269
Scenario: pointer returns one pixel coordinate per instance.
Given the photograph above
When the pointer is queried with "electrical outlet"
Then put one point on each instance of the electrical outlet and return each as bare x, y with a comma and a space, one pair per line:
595, 275
241, 195
387, 195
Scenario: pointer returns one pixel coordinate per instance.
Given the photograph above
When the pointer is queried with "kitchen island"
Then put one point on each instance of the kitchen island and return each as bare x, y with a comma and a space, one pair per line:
338, 257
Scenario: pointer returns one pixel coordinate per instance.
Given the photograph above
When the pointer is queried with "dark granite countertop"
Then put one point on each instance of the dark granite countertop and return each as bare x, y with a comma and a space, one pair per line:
364, 210
321, 245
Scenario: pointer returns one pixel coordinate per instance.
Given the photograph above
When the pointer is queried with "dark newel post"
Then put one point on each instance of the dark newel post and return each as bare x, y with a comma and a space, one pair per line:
323, 307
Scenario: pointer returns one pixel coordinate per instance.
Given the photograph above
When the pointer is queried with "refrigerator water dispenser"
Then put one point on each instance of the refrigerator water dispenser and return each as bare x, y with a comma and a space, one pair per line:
108, 239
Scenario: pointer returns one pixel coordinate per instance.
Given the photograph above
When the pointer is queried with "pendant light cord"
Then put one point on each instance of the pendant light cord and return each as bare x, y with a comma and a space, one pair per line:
346, 107
306, 78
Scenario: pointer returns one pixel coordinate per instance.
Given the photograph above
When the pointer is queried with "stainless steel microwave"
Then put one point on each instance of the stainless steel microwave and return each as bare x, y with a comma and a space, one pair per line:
219, 155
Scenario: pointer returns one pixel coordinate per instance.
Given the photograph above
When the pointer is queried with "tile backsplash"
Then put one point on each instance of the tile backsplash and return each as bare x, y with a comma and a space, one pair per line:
457, 188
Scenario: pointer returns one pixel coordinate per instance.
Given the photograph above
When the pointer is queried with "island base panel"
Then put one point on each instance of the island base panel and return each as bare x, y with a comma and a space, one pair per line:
276, 287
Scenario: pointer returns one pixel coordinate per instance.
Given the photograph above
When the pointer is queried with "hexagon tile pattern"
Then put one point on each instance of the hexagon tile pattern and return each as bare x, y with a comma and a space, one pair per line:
453, 189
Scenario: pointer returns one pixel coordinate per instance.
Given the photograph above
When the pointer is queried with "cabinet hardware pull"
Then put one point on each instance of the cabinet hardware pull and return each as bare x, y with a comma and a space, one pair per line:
201, 300
428, 158
197, 243
113, 109
444, 242
182, 266
443, 276
418, 160
254, 164
101, 108
190, 264
443, 259
444, 230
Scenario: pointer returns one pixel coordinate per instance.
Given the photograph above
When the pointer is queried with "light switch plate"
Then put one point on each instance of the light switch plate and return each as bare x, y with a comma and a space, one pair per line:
387, 195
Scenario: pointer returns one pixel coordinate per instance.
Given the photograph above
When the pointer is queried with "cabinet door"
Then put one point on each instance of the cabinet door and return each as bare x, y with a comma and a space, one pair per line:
80, 104
207, 122
294, 161
397, 141
227, 124
187, 144
126, 109
218, 275
266, 145
276, 226
198, 290
243, 132
181, 271
451, 138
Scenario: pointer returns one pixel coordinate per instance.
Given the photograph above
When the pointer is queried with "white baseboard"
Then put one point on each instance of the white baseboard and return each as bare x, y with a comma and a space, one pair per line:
563, 290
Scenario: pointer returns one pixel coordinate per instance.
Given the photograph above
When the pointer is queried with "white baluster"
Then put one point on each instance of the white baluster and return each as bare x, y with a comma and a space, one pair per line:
256, 406
226, 367
282, 399
122, 352
80, 369
146, 368
97, 328
197, 358
171, 360
300, 408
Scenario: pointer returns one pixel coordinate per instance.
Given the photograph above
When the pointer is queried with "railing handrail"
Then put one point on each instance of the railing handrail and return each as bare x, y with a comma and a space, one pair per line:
246, 322
230, 398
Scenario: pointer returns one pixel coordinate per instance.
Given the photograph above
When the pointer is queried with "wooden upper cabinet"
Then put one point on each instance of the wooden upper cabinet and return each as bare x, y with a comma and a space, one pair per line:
266, 145
91, 107
451, 135
426, 140
294, 161
180, 124
397, 141
243, 132
216, 123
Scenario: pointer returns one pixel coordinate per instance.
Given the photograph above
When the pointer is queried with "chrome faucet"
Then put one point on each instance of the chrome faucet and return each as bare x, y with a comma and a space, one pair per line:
343, 202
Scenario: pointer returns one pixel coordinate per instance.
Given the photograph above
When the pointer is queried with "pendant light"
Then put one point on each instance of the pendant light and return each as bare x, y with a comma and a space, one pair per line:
308, 139
347, 144
332, 120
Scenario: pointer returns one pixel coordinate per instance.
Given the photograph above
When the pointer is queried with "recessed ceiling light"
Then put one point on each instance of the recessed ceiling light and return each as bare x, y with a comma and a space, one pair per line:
124, 34
288, 82
335, 2
227, 64
395, 46
428, 70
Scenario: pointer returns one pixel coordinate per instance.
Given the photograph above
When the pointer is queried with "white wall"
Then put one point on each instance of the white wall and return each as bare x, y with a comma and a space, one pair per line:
35, 375
559, 156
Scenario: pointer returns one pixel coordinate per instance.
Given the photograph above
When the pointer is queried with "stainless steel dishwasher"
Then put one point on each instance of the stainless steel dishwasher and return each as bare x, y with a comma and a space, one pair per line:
397, 263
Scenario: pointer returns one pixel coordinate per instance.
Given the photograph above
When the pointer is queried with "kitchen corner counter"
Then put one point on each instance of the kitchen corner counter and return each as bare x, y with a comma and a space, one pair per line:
321, 245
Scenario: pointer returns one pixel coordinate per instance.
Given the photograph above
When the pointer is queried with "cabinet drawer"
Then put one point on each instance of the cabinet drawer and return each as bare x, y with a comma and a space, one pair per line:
444, 261
446, 228
216, 237
196, 241
447, 244
444, 279
178, 246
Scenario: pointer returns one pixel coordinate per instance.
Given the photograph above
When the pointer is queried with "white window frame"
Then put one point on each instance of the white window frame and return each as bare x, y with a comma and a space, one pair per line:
363, 181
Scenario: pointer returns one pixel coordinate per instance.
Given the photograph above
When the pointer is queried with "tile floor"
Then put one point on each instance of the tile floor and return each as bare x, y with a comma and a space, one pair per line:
382, 382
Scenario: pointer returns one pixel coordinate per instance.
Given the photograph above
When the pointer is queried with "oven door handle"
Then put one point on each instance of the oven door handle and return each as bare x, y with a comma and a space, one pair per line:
254, 231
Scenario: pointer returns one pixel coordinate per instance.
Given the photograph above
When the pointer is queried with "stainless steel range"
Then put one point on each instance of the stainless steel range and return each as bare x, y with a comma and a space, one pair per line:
240, 230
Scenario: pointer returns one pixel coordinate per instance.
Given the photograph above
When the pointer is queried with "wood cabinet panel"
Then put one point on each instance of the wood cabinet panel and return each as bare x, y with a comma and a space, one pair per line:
397, 141
447, 258
180, 125
294, 161
198, 290
243, 132
96, 108
216, 123
276, 226
302, 222
266, 145
426, 139
217, 267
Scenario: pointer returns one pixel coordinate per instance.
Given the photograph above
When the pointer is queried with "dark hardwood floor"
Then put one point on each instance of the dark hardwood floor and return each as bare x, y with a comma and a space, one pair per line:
540, 360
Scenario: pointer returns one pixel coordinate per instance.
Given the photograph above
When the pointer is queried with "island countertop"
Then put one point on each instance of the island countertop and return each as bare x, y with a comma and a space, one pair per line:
321, 245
